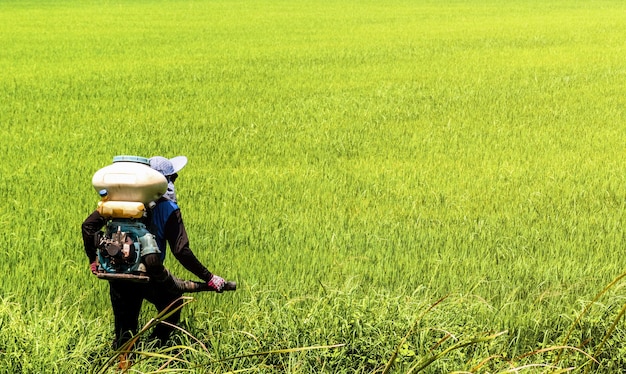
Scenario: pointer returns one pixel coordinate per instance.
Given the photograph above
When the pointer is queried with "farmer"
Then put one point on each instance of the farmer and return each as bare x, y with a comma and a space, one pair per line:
165, 222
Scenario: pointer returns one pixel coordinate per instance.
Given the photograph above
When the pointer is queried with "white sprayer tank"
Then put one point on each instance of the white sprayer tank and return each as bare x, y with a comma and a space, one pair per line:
130, 178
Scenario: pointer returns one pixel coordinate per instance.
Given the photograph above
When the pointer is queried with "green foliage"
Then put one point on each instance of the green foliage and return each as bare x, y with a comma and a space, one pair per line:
350, 165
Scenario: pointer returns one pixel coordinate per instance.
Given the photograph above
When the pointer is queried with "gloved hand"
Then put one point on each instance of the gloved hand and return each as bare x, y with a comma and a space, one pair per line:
216, 283
93, 267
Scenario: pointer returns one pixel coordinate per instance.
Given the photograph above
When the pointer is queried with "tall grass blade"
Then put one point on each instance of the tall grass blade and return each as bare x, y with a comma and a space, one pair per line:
282, 351
426, 362
585, 310
394, 355
596, 353
126, 348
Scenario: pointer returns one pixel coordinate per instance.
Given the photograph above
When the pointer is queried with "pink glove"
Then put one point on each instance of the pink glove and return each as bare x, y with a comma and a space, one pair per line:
94, 268
216, 283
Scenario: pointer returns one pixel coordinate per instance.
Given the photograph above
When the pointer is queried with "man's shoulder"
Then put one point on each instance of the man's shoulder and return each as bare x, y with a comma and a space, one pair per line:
162, 211
164, 204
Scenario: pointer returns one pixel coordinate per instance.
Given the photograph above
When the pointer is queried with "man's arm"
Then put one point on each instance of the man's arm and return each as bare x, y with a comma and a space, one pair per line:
90, 227
176, 236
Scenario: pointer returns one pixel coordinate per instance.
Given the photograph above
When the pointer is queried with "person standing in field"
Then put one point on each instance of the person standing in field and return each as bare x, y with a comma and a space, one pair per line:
166, 224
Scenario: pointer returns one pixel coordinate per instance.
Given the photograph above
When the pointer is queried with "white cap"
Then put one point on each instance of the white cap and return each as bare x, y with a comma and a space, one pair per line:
166, 166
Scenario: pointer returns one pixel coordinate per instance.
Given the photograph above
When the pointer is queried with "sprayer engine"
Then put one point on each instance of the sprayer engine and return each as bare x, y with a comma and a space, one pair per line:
120, 249
122, 246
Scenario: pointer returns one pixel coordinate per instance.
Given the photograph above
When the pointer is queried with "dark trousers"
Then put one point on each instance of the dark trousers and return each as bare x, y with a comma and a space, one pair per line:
126, 300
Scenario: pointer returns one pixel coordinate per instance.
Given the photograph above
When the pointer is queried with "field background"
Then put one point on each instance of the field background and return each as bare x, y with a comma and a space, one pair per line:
350, 164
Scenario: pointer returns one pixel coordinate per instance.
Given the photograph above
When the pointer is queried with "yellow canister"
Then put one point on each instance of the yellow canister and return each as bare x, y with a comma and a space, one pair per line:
121, 209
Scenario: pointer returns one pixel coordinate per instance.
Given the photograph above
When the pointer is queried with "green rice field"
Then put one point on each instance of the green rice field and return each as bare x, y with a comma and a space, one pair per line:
397, 186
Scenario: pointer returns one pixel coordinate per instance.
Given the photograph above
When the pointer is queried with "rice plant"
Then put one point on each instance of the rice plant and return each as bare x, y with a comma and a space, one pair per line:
350, 165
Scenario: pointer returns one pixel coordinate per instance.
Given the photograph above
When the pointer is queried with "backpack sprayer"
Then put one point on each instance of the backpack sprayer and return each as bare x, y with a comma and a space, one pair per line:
125, 187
